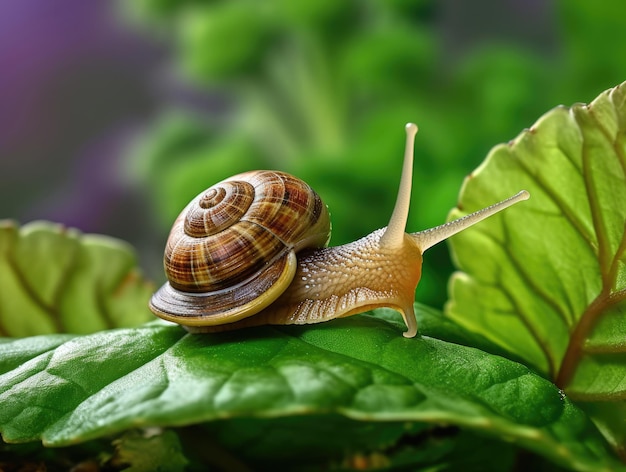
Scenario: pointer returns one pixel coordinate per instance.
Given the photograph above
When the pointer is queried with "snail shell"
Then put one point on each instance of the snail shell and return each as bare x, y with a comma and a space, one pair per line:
232, 250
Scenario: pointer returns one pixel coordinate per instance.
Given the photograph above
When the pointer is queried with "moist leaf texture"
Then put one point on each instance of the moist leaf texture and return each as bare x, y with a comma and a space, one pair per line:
359, 368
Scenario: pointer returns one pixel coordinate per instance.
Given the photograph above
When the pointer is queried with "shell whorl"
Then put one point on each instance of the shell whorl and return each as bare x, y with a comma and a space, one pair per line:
216, 208
229, 236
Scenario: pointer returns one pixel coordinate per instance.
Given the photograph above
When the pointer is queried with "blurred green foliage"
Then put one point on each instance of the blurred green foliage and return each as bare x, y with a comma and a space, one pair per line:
322, 89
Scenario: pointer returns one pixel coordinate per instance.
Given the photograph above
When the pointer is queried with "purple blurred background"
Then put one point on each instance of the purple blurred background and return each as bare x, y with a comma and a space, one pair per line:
76, 85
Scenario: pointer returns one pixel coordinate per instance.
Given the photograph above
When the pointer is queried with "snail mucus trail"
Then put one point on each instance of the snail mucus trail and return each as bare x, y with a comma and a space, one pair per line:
271, 266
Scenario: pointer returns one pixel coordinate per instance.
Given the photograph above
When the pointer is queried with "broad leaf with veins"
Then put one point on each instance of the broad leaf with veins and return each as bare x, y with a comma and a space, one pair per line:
358, 368
54, 279
551, 287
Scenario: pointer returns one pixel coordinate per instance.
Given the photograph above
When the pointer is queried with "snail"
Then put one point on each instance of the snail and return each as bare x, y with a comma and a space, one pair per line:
251, 250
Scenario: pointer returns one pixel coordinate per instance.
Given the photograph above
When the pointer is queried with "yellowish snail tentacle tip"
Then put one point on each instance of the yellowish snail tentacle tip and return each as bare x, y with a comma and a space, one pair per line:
410, 321
410, 334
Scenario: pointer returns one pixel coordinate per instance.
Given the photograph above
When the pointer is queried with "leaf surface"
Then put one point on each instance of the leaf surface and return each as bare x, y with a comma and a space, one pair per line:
55, 279
550, 284
360, 368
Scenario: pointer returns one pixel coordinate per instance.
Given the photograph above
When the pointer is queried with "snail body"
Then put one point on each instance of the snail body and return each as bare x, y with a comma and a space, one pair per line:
272, 266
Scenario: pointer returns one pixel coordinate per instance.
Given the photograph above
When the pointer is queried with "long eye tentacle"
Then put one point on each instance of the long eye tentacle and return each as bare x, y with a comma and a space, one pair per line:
428, 238
394, 234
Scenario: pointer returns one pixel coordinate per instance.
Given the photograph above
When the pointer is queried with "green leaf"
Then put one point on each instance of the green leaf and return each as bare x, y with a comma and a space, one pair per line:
149, 452
55, 279
355, 445
549, 284
359, 368
242, 25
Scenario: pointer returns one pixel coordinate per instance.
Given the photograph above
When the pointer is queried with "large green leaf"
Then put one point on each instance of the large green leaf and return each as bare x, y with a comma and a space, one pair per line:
551, 286
357, 445
55, 279
84, 387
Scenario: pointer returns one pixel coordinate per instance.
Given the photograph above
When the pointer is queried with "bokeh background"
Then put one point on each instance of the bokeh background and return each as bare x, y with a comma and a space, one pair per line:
114, 114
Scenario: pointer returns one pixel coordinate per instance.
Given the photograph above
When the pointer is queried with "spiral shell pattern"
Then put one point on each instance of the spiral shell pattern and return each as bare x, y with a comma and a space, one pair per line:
232, 231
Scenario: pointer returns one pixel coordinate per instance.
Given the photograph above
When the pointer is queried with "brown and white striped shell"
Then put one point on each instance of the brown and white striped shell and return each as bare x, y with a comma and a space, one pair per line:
231, 251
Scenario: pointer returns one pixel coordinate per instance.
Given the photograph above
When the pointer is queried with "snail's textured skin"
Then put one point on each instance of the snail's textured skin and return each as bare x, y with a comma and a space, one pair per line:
234, 246
325, 286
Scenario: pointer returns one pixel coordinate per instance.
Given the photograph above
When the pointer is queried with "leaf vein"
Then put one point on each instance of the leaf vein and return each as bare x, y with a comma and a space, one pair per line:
570, 215
33, 295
